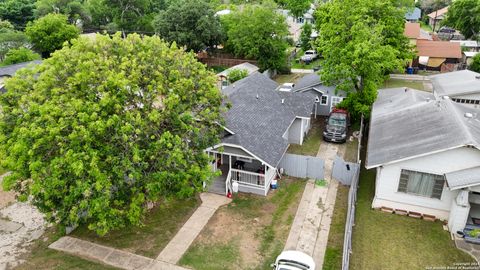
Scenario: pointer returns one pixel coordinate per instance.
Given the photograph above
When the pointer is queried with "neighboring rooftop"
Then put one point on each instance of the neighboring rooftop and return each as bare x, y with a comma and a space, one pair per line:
439, 49
10, 70
463, 178
260, 115
413, 15
250, 68
438, 13
307, 81
456, 83
467, 43
412, 30
407, 123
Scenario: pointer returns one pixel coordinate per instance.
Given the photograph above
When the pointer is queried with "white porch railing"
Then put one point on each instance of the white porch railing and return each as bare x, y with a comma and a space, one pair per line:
228, 183
249, 178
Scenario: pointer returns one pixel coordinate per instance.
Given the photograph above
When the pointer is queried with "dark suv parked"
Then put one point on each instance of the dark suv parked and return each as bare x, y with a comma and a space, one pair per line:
336, 128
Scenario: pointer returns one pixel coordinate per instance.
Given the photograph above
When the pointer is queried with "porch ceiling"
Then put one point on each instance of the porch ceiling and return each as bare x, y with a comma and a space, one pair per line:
463, 178
234, 151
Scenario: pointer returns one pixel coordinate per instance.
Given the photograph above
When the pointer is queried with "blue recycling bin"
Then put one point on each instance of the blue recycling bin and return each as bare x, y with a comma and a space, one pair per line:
410, 70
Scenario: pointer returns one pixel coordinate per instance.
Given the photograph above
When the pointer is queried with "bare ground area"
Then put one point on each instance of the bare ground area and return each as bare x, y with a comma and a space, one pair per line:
248, 233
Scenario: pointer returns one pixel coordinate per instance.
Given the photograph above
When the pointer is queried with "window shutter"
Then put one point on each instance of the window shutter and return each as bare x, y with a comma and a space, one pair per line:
402, 185
438, 187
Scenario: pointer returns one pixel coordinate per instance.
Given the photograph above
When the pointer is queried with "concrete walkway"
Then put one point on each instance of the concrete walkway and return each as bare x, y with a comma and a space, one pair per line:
169, 256
190, 230
310, 228
472, 249
110, 256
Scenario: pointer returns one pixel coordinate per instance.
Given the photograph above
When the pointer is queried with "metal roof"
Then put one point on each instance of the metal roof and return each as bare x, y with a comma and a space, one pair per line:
456, 83
259, 118
463, 178
407, 123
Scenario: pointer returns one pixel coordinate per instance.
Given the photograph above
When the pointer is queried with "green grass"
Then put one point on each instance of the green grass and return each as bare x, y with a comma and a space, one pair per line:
250, 209
394, 83
296, 63
312, 142
288, 78
387, 241
42, 258
218, 69
425, 27
159, 226
333, 254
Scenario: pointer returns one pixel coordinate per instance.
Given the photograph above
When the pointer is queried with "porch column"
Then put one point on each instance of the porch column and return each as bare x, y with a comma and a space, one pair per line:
229, 162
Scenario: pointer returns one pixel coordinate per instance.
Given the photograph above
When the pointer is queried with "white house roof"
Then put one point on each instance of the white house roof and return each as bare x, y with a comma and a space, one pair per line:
463, 178
470, 54
407, 123
456, 83
250, 68
223, 12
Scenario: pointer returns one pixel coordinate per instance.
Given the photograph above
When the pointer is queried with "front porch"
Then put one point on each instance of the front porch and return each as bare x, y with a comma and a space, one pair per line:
240, 172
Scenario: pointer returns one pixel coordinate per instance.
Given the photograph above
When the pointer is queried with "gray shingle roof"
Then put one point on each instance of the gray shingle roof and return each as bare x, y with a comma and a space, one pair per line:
463, 178
259, 119
406, 124
313, 81
307, 81
456, 83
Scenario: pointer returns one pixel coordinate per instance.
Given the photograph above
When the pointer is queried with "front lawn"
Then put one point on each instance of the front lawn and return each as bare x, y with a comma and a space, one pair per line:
333, 254
159, 226
249, 232
387, 241
312, 142
394, 83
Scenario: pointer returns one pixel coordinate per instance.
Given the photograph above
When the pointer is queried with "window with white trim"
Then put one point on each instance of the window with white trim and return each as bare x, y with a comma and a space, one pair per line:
324, 100
420, 183
336, 100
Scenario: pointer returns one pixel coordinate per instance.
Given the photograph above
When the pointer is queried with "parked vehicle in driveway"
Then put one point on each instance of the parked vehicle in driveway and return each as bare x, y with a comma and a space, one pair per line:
309, 56
336, 128
293, 260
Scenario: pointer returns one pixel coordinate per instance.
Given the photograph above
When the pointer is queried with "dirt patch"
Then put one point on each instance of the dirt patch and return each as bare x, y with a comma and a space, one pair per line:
6, 197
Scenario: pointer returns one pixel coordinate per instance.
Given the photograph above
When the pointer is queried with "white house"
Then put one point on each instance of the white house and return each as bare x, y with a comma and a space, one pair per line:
426, 150
460, 86
261, 123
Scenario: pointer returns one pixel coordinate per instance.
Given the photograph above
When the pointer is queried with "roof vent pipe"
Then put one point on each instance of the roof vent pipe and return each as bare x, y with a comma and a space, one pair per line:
446, 97
428, 99
468, 115
283, 100
257, 96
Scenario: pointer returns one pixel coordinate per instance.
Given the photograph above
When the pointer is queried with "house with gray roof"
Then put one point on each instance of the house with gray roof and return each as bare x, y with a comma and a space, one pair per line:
223, 80
9, 71
326, 97
426, 151
260, 125
461, 86
413, 15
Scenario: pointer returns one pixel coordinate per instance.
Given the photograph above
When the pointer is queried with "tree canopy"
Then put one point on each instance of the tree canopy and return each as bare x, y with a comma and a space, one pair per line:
298, 7
11, 39
464, 15
237, 74
361, 41
20, 55
475, 65
258, 32
305, 37
102, 127
18, 12
50, 32
75, 10
190, 23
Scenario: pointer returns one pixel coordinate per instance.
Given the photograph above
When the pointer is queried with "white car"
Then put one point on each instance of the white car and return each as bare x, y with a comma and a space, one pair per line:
294, 260
309, 56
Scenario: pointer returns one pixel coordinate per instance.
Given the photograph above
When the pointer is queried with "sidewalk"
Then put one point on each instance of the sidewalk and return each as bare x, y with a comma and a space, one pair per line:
310, 228
169, 256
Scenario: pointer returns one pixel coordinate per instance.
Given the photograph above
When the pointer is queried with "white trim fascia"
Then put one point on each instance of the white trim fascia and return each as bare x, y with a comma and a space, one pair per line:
241, 147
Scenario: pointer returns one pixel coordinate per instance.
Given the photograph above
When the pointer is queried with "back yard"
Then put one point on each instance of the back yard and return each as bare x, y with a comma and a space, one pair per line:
249, 232
312, 142
388, 241
394, 83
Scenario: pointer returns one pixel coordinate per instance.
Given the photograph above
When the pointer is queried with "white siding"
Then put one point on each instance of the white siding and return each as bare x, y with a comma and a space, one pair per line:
458, 217
388, 177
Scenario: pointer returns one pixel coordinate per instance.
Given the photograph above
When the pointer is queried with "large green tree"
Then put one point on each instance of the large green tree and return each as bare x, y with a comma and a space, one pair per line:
464, 15
102, 127
362, 41
18, 12
306, 37
50, 32
11, 39
76, 11
298, 7
258, 32
190, 23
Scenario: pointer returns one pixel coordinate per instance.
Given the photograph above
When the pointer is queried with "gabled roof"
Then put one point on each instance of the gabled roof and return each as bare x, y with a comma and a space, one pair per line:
413, 14
412, 30
250, 68
463, 178
438, 13
307, 81
410, 123
259, 118
439, 49
313, 81
456, 83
